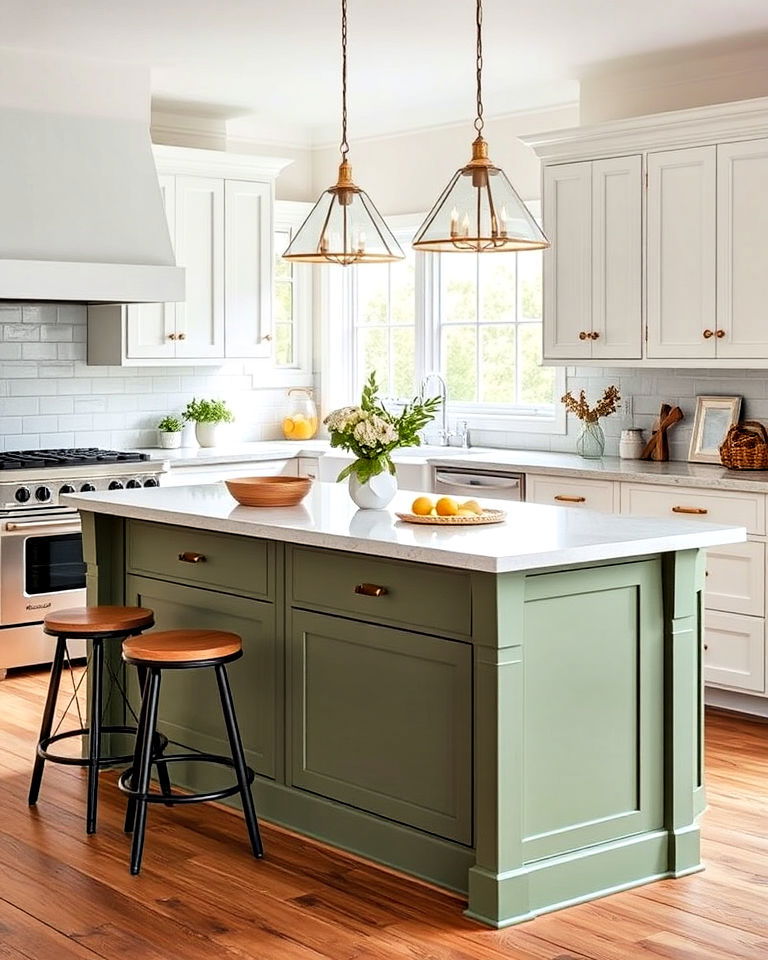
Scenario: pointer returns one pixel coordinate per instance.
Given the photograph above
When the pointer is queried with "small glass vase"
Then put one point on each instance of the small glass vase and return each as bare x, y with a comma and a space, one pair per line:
591, 441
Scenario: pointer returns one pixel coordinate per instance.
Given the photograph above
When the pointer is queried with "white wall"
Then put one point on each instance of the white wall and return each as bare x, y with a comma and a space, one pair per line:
406, 173
675, 80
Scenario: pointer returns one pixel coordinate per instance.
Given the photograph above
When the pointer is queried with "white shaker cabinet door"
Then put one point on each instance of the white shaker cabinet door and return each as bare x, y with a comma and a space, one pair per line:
617, 194
567, 263
742, 249
200, 249
248, 268
681, 257
150, 327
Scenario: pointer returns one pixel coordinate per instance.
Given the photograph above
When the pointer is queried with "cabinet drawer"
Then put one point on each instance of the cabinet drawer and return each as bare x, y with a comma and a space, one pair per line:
734, 651
229, 564
571, 492
415, 595
716, 506
736, 578
381, 720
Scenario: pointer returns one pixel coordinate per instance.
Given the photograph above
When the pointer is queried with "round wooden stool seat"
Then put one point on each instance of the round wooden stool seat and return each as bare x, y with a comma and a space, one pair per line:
93, 621
181, 646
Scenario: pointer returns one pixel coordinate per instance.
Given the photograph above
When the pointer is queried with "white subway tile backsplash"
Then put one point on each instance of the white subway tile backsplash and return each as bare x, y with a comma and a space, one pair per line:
50, 397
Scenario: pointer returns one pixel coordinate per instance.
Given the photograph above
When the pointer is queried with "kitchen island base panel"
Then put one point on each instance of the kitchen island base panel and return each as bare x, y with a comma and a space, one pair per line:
607, 654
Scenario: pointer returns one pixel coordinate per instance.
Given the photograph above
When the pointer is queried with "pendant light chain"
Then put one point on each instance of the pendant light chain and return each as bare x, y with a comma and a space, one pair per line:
479, 123
344, 146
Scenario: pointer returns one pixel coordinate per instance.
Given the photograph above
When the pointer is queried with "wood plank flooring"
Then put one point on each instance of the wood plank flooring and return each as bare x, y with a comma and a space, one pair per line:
201, 896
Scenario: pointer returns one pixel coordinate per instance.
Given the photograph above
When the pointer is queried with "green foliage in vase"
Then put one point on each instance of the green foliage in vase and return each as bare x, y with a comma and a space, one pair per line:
208, 411
170, 424
371, 432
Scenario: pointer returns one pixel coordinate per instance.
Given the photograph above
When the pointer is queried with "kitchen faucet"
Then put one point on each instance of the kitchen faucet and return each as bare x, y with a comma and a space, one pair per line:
443, 435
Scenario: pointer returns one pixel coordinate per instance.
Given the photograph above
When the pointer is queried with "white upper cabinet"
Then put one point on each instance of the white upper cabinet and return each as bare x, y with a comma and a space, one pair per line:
248, 268
219, 208
617, 198
150, 326
592, 272
567, 211
200, 250
742, 249
681, 253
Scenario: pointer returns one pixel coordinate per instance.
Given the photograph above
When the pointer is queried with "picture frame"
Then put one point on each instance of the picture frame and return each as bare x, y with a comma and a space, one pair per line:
714, 418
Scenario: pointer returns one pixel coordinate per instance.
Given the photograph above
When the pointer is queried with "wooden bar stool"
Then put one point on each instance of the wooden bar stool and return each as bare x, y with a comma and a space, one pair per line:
182, 650
97, 624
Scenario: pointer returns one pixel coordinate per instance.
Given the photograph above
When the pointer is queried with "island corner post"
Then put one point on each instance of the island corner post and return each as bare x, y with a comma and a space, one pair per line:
584, 766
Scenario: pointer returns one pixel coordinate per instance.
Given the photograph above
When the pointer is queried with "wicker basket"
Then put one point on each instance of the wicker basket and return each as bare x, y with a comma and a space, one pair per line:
745, 447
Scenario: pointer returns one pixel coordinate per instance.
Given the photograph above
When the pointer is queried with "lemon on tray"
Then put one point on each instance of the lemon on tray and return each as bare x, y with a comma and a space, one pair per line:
422, 506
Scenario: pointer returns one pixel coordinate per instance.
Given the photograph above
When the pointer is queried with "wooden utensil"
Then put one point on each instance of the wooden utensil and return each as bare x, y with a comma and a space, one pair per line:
657, 447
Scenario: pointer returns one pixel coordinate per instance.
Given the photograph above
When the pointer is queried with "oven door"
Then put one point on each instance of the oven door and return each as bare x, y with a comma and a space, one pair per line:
41, 567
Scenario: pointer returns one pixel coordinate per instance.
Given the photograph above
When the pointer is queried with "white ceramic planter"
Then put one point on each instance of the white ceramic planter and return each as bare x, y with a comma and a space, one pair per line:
207, 434
376, 493
170, 441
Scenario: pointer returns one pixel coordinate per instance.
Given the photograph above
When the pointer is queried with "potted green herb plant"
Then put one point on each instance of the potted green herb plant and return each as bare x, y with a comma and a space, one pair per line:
169, 429
372, 434
207, 416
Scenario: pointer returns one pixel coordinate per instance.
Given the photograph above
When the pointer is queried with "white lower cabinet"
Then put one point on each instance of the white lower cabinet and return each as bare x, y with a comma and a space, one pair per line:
734, 651
569, 492
736, 578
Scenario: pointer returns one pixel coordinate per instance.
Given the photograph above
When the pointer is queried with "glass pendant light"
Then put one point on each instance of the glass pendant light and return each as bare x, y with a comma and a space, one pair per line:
479, 211
344, 226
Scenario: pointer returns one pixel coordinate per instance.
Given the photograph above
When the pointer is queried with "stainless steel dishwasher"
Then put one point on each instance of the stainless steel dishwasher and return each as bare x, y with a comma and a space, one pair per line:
463, 482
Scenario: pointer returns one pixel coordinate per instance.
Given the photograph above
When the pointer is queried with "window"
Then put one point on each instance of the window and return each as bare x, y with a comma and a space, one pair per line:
291, 300
284, 315
477, 319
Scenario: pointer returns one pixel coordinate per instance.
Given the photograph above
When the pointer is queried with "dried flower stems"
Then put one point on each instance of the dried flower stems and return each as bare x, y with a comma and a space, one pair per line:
604, 407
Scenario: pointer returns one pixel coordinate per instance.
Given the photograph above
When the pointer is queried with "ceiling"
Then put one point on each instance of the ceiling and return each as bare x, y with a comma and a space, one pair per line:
411, 62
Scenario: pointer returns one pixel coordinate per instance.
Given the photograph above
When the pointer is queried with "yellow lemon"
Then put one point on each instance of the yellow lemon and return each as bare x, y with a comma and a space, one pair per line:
463, 512
288, 426
447, 507
472, 505
422, 506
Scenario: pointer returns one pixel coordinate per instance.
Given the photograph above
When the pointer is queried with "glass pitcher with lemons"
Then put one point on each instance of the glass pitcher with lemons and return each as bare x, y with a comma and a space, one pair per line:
300, 421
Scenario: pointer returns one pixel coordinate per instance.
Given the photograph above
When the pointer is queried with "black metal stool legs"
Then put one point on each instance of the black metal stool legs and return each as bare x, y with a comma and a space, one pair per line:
142, 768
49, 714
238, 759
94, 732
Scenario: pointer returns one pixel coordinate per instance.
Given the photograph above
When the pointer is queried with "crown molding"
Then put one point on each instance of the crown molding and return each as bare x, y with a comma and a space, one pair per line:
734, 120
194, 161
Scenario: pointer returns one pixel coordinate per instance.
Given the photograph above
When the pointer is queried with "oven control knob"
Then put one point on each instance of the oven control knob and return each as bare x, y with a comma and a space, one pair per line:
23, 494
116, 485
67, 488
87, 488
151, 482
133, 484
42, 494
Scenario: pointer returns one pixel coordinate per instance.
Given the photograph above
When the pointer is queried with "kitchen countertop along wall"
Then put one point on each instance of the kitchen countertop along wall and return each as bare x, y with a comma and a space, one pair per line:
671, 473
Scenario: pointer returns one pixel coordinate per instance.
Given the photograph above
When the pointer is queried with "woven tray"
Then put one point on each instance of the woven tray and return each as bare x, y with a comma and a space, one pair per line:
487, 516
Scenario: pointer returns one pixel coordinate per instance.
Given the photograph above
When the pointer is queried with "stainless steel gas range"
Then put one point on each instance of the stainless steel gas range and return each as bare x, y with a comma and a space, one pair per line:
41, 550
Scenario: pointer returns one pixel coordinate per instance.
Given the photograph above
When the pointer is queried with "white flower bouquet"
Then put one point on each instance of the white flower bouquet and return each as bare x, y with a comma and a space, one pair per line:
371, 433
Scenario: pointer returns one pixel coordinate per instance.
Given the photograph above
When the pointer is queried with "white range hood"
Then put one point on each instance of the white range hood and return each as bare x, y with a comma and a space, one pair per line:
81, 212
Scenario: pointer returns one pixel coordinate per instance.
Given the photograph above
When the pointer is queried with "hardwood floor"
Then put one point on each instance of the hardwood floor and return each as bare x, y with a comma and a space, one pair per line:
201, 896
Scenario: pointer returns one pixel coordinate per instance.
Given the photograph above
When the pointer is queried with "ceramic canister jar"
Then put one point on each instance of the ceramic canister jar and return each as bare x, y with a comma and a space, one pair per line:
631, 444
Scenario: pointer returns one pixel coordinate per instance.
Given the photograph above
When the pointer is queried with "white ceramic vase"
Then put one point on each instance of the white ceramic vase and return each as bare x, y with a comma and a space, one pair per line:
207, 434
374, 494
170, 441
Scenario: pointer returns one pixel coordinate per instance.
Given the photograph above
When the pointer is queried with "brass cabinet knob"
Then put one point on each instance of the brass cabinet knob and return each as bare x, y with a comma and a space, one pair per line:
370, 590
720, 334
708, 334
171, 336
190, 557
266, 338
182, 336
583, 335
595, 335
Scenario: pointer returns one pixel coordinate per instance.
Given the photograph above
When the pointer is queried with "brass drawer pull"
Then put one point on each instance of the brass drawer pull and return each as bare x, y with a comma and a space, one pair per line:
189, 557
564, 499
370, 590
699, 511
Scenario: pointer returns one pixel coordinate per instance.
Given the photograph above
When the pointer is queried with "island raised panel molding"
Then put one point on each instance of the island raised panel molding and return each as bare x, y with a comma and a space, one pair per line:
701, 230
220, 210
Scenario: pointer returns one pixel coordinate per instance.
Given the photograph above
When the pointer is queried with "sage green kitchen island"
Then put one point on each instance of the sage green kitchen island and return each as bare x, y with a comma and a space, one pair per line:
515, 716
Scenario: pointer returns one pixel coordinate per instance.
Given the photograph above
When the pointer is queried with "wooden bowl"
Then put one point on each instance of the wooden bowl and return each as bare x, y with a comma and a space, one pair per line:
269, 491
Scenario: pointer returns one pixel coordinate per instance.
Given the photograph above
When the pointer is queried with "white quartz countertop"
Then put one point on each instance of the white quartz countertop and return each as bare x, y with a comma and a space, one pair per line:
671, 473
532, 536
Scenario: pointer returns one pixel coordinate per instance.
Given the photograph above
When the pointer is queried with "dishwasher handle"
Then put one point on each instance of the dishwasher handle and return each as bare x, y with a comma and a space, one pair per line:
477, 481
